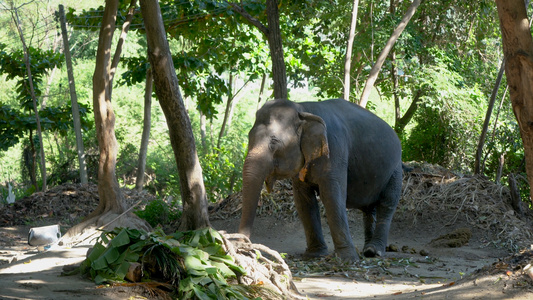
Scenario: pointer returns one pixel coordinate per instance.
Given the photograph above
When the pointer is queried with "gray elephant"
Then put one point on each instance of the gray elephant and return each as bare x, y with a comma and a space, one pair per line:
336, 149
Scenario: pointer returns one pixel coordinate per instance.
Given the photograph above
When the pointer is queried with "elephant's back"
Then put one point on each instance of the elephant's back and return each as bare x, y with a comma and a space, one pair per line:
353, 122
369, 146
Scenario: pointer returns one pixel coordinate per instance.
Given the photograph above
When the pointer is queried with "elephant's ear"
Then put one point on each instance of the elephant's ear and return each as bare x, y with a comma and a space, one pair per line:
313, 140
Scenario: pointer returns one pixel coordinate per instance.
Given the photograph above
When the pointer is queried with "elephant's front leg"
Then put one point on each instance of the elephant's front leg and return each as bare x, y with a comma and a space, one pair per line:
309, 213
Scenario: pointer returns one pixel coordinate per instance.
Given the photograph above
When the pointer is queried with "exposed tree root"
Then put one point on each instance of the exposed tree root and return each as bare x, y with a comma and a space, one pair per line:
265, 267
91, 227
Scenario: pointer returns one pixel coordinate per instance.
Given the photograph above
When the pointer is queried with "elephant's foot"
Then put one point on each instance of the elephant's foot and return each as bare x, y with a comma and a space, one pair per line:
348, 254
315, 253
372, 251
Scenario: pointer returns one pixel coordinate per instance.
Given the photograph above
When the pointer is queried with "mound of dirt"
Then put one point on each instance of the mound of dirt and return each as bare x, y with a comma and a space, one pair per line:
64, 204
457, 238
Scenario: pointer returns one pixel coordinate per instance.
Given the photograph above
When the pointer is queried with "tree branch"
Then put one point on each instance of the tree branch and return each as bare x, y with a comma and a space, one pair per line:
402, 122
125, 29
374, 72
241, 11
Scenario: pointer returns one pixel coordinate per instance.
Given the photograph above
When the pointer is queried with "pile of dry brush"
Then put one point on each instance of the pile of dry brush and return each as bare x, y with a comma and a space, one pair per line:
431, 190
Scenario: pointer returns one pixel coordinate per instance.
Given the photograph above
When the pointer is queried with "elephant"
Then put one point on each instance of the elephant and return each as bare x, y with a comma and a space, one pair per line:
333, 149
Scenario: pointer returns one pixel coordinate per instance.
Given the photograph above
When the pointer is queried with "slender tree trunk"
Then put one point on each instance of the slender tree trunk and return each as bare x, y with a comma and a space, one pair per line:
481, 142
273, 34
279, 73
518, 52
394, 75
111, 198
46, 95
400, 123
374, 72
203, 135
496, 118
232, 111
227, 112
193, 192
141, 167
73, 99
349, 49
104, 116
32, 93
261, 90
110, 211
31, 158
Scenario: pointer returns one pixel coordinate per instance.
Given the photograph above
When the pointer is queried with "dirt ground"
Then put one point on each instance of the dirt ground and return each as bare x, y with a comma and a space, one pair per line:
489, 263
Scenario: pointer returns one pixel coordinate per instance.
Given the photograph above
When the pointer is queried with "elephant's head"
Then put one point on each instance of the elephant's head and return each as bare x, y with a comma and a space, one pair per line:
282, 143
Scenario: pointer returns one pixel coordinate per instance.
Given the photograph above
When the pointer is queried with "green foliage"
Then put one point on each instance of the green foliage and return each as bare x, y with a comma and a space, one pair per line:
446, 120
159, 212
14, 123
222, 171
450, 51
13, 65
504, 139
194, 262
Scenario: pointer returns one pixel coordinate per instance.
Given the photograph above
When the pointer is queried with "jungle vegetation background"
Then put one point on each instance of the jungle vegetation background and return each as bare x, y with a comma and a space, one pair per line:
440, 73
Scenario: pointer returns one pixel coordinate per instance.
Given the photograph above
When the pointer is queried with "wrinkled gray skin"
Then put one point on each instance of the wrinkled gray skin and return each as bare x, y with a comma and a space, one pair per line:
333, 148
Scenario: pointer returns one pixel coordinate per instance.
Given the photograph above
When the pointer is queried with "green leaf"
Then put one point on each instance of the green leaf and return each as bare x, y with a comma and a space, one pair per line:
200, 293
214, 249
131, 255
111, 255
211, 270
99, 279
195, 239
122, 270
99, 264
96, 252
223, 269
186, 284
104, 238
121, 239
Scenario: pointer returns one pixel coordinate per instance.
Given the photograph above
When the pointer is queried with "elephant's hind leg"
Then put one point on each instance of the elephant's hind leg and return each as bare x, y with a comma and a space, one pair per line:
385, 210
309, 212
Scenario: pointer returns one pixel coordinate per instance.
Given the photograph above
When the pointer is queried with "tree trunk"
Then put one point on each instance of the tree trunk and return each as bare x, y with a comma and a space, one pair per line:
349, 49
111, 198
279, 73
400, 123
73, 99
261, 90
516, 201
481, 142
518, 52
394, 75
501, 163
110, 211
203, 130
273, 34
495, 125
181, 137
227, 112
32, 93
374, 72
141, 167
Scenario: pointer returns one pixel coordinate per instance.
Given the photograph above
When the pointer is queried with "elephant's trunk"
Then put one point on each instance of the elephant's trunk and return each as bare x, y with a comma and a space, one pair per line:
255, 170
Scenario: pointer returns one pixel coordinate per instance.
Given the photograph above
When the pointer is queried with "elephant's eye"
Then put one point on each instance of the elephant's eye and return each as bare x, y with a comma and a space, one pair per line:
274, 143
